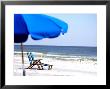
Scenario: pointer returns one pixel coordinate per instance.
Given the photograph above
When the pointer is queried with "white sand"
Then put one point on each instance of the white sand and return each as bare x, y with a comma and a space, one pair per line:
60, 68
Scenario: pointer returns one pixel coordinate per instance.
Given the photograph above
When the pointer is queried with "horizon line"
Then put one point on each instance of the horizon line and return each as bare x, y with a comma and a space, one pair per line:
60, 45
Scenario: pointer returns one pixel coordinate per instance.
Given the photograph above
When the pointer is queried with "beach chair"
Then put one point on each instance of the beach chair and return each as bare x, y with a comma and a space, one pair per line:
40, 66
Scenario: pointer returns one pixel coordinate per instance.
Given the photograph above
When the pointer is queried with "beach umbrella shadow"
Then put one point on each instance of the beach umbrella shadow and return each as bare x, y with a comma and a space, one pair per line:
39, 26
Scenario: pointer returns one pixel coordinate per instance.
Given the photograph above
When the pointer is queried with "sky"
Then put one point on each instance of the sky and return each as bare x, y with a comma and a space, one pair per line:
82, 31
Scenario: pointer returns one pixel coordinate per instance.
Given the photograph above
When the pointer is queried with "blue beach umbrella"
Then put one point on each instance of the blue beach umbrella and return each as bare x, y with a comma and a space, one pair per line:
39, 26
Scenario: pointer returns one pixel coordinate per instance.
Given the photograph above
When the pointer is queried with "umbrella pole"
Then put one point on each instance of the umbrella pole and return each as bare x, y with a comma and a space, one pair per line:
24, 72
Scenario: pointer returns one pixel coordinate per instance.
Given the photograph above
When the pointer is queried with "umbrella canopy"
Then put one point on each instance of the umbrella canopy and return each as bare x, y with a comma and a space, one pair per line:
39, 26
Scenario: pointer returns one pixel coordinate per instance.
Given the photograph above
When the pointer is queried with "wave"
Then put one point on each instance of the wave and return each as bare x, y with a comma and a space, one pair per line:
59, 56
68, 57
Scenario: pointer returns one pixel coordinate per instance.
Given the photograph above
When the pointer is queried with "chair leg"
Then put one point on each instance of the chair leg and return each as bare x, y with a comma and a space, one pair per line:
41, 67
50, 67
38, 67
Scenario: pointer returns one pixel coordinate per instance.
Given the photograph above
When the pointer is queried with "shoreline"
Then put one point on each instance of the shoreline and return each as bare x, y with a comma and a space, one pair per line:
58, 56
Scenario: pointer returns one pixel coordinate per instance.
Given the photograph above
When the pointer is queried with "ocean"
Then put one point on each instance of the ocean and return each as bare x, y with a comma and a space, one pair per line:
62, 52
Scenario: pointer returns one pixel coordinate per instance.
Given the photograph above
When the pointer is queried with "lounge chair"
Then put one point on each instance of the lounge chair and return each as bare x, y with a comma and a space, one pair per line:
40, 66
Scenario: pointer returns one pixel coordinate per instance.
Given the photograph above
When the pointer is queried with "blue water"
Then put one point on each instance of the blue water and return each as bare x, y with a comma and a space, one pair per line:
70, 51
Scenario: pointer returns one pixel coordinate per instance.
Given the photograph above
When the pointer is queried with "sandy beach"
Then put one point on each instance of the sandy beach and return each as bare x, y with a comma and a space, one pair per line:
60, 67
